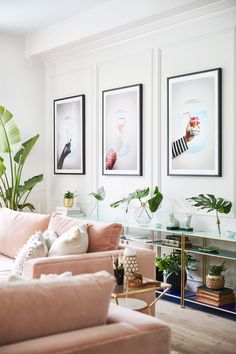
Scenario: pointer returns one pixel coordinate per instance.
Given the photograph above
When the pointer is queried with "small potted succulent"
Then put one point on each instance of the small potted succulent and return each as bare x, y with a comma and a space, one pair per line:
215, 279
69, 199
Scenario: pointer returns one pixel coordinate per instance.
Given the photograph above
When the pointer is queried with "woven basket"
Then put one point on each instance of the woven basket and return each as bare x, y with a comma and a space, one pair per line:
215, 282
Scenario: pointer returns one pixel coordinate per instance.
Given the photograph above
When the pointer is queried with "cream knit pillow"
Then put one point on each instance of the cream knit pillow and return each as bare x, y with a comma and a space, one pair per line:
49, 238
74, 241
35, 247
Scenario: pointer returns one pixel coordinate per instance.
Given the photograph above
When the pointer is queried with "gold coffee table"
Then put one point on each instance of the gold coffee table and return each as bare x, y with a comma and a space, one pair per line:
122, 294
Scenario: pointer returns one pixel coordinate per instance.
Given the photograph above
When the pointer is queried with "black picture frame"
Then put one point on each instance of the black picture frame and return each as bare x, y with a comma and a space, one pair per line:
194, 124
122, 123
69, 135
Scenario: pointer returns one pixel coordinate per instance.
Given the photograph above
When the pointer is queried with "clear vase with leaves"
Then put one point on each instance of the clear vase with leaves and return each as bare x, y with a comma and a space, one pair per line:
99, 196
143, 215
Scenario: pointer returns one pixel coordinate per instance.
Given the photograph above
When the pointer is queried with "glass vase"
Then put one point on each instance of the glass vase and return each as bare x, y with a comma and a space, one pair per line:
143, 215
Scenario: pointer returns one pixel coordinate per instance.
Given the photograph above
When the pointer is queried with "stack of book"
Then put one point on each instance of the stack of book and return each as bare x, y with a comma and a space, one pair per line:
224, 296
175, 240
73, 212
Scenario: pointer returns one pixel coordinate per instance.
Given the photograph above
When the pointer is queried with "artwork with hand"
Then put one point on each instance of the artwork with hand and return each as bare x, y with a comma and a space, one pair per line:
121, 130
69, 127
193, 107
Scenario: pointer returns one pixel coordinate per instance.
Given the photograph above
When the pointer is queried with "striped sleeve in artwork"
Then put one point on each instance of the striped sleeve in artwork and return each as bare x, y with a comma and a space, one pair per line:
179, 146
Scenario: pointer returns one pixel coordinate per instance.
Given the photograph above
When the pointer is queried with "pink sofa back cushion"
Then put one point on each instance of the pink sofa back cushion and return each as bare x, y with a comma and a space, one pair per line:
33, 309
102, 236
17, 227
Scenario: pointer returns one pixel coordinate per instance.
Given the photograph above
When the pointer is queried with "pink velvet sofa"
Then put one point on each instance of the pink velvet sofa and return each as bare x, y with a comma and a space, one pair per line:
16, 228
62, 316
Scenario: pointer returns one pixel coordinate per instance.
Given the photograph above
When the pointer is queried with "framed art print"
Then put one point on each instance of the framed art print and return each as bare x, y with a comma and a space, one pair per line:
194, 124
122, 131
69, 135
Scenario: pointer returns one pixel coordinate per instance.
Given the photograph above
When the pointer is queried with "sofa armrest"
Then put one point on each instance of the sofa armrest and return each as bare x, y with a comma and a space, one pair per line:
86, 263
126, 332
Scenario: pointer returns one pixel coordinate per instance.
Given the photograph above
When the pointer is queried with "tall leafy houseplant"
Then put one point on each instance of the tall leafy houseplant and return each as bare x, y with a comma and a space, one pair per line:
14, 193
211, 203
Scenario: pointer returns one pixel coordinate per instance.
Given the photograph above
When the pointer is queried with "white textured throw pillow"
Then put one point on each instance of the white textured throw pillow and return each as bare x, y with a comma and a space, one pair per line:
35, 247
74, 241
49, 237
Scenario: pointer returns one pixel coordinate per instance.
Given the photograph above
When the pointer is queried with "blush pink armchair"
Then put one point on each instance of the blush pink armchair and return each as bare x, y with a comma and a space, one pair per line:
73, 315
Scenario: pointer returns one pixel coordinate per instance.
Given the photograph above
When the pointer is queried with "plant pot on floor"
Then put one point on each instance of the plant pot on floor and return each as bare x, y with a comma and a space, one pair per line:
175, 280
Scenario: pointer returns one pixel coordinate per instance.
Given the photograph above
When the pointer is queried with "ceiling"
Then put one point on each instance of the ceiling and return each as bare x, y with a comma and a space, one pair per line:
23, 17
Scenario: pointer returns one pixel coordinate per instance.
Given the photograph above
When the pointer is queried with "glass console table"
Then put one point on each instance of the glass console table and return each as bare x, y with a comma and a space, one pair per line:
199, 241
151, 237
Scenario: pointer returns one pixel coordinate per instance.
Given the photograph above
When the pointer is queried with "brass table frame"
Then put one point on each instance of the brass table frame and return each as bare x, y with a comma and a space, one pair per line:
123, 291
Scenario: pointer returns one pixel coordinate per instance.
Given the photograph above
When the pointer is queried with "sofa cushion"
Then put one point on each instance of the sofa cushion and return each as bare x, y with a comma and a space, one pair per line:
5, 266
35, 247
32, 309
102, 236
73, 241
16, 228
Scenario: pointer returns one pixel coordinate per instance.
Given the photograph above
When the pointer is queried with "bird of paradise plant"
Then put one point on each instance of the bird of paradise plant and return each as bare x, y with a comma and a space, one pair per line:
14, 193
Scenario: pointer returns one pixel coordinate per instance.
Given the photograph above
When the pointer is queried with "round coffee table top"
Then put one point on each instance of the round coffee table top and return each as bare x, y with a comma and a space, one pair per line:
131, 303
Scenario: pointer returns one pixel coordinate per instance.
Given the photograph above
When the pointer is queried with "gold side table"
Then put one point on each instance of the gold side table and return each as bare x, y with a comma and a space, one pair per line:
122, 294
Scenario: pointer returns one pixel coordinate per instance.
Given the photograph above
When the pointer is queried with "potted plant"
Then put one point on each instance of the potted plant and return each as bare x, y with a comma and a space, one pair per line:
14, 193
170, 265
69, 199
211, 203
215, 279
143, 215
118, 267
99, 196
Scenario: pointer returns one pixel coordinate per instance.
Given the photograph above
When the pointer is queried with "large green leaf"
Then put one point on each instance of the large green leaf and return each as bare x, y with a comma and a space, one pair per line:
29, 184
2, 166
26, 205
155, 201
27, 146
211, 203
9, 133
100, 195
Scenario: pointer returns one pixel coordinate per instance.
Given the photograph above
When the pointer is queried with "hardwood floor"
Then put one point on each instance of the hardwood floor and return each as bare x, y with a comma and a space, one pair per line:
197, 332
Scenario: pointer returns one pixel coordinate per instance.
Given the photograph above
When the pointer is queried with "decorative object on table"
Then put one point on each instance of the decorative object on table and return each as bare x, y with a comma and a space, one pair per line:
14, 193
209, 249
69, 199
215, 279
220, 297
194, 105
131, 265
73, 212
211, 203
170, 265
99, 196
69, 135
175, 240
118, 267
185, 225
143, 214
173, 223
122, 130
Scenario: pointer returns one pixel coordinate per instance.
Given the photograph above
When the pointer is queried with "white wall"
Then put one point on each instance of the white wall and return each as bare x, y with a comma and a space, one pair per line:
22, 93
192, 42
149, 60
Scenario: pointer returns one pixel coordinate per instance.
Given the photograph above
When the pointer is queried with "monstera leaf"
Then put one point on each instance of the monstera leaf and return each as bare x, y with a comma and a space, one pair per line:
99, 195
211, 203
12, 192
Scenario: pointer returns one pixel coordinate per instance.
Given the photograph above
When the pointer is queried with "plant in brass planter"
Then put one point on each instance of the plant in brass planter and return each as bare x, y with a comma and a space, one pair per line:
215, 279
69, 199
